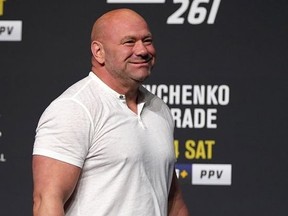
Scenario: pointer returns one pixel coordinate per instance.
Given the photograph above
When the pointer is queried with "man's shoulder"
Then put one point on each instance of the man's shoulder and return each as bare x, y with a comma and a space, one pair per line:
82, 90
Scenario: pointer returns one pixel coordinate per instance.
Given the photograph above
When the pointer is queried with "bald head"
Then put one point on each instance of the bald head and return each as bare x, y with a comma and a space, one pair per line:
111, 20
122, 49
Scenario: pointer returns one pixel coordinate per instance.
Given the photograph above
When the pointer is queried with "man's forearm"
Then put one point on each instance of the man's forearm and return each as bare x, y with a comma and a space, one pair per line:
177, 207
176, 204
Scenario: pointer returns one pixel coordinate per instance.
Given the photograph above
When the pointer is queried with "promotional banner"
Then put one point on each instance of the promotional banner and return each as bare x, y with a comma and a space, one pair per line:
221, 68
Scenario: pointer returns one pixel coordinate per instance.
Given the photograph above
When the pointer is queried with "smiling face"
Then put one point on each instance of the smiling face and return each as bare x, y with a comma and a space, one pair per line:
128, 53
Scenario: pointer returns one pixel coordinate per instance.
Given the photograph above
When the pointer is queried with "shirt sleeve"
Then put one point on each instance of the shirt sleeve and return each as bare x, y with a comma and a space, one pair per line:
64, 132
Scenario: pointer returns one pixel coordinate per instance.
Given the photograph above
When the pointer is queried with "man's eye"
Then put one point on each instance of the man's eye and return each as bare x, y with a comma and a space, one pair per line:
129, 42
148, 41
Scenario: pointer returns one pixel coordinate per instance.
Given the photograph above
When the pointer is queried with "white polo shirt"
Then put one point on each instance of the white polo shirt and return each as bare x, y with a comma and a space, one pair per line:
127, 159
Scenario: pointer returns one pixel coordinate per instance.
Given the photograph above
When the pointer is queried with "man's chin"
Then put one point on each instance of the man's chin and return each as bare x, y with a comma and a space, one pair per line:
141, 79
144, 77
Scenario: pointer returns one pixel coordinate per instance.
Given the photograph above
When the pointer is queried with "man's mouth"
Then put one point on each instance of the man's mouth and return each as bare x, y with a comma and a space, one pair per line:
145, 61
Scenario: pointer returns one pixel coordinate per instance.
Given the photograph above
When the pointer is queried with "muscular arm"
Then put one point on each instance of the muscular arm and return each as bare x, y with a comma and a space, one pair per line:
54, 182
176, 204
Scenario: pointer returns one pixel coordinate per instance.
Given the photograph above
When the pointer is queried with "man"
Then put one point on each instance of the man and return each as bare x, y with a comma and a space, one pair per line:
105, 146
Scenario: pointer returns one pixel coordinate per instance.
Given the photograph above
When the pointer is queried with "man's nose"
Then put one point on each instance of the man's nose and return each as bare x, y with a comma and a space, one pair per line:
140, 49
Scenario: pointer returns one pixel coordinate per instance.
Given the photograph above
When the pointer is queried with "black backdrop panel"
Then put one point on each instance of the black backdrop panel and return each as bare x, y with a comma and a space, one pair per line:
221, 67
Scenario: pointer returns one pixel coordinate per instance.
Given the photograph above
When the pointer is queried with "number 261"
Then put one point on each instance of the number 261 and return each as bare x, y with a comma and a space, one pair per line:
197, 13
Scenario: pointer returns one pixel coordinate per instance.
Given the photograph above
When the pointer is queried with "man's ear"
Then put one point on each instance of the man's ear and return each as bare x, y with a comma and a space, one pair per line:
98, 51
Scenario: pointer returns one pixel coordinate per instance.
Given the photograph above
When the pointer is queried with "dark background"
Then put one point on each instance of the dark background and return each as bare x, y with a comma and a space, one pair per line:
246, 49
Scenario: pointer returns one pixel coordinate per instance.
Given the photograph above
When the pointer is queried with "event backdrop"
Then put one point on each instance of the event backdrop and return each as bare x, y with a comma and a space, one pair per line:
221, 68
